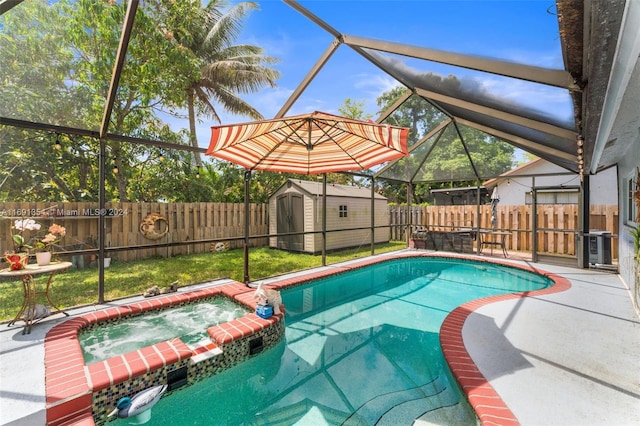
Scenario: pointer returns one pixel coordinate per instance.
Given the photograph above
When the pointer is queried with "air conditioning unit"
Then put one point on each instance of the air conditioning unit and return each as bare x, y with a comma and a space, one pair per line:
599, 247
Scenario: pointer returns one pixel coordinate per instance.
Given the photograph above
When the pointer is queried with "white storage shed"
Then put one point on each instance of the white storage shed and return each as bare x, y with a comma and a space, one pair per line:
297, 207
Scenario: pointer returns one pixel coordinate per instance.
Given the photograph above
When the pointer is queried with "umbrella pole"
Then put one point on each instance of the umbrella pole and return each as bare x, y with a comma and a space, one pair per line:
478, 225
373, 216
247, 180
324, 219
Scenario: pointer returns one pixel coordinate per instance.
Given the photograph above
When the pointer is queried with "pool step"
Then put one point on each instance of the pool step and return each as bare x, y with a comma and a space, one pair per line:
442, 408
203, 350
304, 412
404, 406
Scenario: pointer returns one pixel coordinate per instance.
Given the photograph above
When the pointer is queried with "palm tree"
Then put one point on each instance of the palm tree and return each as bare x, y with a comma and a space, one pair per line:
226, 70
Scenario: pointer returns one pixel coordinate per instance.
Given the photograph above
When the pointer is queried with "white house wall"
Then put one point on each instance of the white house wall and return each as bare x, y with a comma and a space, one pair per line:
627, 168
625, 131
628, 126
513, 190
603, 187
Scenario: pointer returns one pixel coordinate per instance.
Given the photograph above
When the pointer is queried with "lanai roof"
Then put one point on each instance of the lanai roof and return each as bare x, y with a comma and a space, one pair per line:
445, 81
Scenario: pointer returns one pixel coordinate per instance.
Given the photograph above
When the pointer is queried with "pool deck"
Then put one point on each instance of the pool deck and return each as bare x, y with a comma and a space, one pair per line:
562, 358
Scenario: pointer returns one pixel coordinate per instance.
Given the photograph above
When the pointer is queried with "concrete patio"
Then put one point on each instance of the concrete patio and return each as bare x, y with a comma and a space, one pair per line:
568, 358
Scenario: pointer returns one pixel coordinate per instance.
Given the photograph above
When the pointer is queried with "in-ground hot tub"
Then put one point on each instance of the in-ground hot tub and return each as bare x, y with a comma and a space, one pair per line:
189, 322
77, 390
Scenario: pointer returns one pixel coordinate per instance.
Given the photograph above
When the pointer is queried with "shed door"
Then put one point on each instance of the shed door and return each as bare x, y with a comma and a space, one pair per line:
290, 216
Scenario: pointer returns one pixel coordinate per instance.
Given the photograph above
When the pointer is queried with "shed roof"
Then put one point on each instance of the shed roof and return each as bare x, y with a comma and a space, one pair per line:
314, 188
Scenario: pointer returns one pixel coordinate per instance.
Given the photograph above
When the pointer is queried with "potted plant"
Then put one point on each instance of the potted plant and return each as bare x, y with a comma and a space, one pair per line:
41, 246
19, 258
21, 226
44, 246
635, 233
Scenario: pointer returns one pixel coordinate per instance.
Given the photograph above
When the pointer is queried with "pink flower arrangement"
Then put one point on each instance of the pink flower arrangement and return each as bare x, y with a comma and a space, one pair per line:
21, 244
56, 233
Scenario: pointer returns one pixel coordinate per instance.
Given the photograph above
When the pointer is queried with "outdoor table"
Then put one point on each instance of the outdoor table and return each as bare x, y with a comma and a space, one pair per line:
494, 238
27, 312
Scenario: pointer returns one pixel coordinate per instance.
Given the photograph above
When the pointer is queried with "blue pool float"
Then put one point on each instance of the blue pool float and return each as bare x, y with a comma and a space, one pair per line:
141, 402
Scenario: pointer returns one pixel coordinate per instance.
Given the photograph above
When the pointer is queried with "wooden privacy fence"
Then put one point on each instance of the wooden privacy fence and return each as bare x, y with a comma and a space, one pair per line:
213, 222
173, 222
557, 223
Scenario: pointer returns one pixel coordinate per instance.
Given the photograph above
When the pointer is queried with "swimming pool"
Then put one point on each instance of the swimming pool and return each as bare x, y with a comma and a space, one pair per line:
360, 348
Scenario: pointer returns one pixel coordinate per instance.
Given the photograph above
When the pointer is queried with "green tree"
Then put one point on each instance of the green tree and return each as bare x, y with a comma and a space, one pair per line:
155, 72
451, 159
34, 63
223, 70
58, 59
35, 70
415, 113
354, 109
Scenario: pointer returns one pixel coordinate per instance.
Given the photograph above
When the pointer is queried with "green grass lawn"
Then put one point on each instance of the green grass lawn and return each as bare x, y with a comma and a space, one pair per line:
80, 287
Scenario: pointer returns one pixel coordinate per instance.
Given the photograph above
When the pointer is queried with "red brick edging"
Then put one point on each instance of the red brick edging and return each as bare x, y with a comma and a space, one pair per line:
488, 405
69, 383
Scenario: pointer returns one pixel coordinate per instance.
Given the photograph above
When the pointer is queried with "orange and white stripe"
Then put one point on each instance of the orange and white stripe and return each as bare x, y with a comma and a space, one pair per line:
308, 144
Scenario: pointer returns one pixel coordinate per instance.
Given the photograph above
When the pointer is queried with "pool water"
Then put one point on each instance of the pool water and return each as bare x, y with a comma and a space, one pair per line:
189, 322
361, 348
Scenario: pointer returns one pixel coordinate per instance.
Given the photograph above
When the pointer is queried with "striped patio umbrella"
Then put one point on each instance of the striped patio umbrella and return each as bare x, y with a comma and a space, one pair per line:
308, 144
305, 144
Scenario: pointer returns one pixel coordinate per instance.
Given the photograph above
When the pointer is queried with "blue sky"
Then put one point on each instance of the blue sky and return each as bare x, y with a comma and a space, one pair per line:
512, 30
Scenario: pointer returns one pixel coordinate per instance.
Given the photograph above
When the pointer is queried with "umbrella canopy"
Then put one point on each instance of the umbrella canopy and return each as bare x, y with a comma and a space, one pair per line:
308, 144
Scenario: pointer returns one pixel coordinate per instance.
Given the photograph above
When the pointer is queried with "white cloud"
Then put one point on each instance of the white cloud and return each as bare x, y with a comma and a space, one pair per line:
375, 84
546, 100
369, 87
550, 59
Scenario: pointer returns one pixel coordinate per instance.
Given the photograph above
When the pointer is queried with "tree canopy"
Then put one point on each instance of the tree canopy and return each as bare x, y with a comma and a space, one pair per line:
179, 57
453, 156
182, 61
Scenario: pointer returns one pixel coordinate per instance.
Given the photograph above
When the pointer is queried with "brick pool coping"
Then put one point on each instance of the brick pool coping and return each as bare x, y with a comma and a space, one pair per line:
69, 383
488, 405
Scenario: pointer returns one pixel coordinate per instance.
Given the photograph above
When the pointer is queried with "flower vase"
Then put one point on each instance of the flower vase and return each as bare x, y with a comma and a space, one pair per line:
43, 258
17, 261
